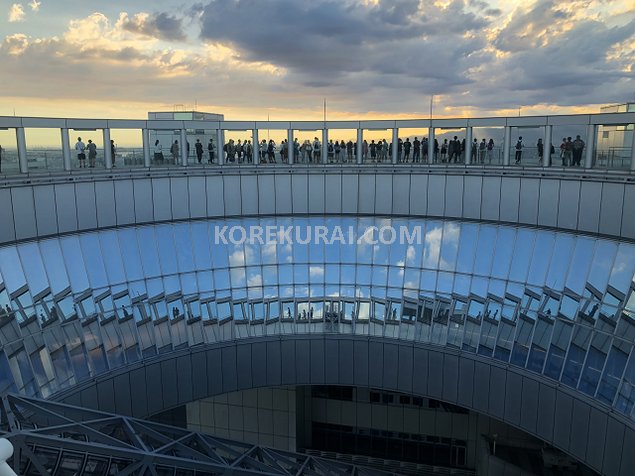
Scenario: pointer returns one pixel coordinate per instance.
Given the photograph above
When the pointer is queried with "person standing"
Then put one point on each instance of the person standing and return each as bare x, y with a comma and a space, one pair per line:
199, 151
92, 154
568, 152
80, 148
482, 150
210, 151
416, 153
490, 151
541, 151
578, 147
174, 150
113, 151
519, 150
316, 151
563, 152
407, 145
158, 152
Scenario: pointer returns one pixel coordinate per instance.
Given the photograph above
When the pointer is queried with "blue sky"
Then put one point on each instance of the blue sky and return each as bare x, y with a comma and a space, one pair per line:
370, 58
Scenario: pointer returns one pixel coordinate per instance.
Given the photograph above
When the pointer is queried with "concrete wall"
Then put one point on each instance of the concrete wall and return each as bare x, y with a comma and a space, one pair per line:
264, 416
599, 204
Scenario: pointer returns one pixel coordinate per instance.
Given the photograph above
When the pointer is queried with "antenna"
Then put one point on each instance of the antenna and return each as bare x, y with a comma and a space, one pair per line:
324, 109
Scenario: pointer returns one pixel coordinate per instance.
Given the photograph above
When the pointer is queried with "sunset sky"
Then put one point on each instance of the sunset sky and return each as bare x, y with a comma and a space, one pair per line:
370, 58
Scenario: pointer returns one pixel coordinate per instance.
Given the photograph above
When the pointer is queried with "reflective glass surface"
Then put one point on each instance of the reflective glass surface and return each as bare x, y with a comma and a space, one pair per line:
558, 304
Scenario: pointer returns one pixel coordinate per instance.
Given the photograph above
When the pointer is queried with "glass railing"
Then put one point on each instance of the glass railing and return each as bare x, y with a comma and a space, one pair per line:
51, 160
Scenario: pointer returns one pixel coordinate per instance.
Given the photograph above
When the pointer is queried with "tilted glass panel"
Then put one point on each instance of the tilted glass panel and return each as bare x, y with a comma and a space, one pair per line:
74, 263
559, 265
183, 245
11, 269
114, 264
485, 250
623, 271
523, 251
580, 264
467, 248
201, 246
449, 246
432, 245
541, 257
147, 240
95, 263
54, 263
33, 268
503, 252
602, 264
131, 257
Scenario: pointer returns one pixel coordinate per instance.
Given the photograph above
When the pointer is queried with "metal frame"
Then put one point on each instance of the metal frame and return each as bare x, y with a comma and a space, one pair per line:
36, 426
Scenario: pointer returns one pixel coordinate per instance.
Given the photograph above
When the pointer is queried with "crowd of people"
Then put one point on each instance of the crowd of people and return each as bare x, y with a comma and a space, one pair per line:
310, 151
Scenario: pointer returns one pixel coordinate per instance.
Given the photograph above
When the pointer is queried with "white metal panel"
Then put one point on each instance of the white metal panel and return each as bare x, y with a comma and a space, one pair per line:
419, 194
472, 186
161, 199
238, 125
342, 124
375, 124
43, 122
413, 124
105, 200
628, 215
86, 206
124, 202
306, 125
589, 210
509, 198
197, 196
436, 195
300, 193
179, 198
568, 204
231, 195
317, 195
264, 125
572, 120
66, 207
491, 201
283, 194
487, 122
144, 211
449, 123
266, 195
214, 186
249, 194
23, 212
45, 213
10, 122
7, 230
164, 125
205, 125
401, 194
606, 119
86, 123
548, 202
528, 204
127, 124
366, 193
453, 196
350, 187
333, 191
527, 121
611, 208
383, 194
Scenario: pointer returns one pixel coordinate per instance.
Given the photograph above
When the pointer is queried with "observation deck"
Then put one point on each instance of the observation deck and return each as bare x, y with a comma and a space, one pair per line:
519, 303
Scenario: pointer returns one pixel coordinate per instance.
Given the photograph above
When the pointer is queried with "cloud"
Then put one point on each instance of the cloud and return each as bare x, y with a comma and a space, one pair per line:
35, 5
158, 25
16, 13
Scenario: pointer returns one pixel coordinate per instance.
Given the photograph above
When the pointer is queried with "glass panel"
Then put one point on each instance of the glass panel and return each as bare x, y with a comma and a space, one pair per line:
33, 268
523, 251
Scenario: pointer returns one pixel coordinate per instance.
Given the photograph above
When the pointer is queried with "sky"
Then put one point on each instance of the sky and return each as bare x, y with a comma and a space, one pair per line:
370, 59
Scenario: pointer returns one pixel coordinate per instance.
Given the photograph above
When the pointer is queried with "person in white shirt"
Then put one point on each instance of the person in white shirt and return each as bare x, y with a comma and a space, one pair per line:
158, 152
80, 147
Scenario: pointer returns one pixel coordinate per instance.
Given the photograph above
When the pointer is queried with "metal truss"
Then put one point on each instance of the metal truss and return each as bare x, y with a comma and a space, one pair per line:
51, 438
